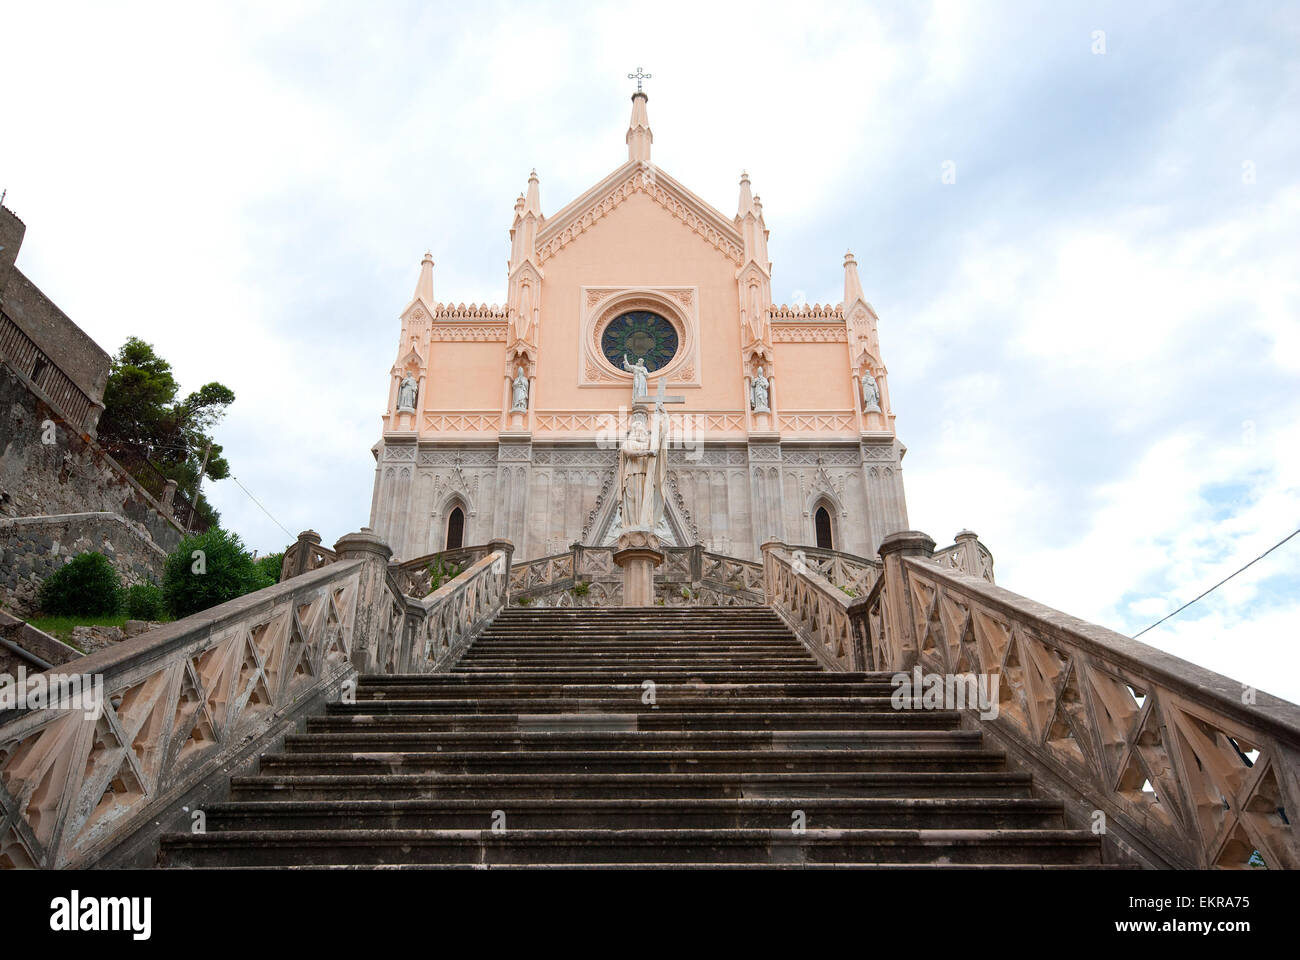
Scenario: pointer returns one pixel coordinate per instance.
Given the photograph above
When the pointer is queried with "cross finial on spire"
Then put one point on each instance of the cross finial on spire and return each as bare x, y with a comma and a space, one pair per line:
638, 77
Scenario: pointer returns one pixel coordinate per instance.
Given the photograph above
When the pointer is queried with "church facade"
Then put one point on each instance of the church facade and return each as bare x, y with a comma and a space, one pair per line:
504, 421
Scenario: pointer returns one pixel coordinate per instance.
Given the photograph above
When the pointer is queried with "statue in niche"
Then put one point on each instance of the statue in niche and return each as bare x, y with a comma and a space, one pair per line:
870, 394
519, 397
406, 391
758, 388
639, 373
643, 470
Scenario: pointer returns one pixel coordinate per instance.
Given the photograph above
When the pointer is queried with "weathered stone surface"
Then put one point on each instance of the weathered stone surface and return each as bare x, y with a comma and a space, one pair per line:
34, 547
72, 474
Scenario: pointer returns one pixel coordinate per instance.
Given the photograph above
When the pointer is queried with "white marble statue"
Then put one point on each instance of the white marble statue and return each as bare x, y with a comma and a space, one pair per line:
758, 392
643, 470
870, 394
406, 394
519, 398
639, 373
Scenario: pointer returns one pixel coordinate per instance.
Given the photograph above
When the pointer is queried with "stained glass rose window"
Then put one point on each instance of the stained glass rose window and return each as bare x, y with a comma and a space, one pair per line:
639, 334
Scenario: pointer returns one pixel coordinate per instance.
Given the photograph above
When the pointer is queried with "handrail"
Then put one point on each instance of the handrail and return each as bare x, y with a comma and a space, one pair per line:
1191, 768
813, 607
446, 622
157, 714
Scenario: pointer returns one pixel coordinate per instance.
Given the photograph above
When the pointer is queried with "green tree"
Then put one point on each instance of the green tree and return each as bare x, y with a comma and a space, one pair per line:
208, 569
144, 420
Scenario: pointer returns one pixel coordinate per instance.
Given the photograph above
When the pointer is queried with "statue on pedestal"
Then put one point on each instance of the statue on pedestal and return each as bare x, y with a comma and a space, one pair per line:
758, 388
639, 373
643, 470
870, 394
406, 391
519, 399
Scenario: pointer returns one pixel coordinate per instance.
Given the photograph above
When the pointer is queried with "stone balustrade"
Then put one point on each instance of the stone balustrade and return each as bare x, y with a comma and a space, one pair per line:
588, 577
1176, 765
178, 704
181, 706
444, 624
415, 577
305, 554
814, 607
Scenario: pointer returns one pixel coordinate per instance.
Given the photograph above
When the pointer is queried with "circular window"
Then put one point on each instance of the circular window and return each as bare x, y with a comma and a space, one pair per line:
639, 334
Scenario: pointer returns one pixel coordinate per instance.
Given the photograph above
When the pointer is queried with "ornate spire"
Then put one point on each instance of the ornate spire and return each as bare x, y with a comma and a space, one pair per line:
533, 203
746, 197
852, 284
639, 136
424, 286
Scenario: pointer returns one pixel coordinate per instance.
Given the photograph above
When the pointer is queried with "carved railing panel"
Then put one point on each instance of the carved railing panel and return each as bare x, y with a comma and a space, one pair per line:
588, 577
815, 609
178, 701
1201, 770
415, 577
852, 574
447, 621
304, 555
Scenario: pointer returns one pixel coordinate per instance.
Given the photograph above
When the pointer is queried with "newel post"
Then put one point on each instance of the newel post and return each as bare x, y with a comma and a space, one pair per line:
302, 554
508, 548
900, 633
372, 596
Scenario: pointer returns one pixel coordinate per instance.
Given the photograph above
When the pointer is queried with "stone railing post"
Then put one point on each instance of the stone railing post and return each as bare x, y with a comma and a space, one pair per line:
169, 497
302, 556
900, 635
372, 596
969, 542
508, 548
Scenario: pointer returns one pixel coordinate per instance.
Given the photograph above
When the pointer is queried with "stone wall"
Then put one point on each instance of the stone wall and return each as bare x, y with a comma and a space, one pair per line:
60, 340
31, 548
70, 475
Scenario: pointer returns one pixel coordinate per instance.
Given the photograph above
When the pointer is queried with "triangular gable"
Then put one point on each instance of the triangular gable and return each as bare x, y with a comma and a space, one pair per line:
633, 177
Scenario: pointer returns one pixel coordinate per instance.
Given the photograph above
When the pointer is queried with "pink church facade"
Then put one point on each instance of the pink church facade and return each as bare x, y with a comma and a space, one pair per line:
501, 420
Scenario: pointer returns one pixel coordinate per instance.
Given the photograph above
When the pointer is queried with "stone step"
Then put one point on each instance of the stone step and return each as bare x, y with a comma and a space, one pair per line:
543, 720
447, 687
377, 847
619, 672
661, 658
628, 703
630, 760
638, 814
590, 785
720, 865
648, 720
604, 740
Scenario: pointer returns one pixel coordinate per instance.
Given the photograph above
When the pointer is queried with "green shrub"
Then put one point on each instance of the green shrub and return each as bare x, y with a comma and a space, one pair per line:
144, 601
86, 585
270, 565
208, 569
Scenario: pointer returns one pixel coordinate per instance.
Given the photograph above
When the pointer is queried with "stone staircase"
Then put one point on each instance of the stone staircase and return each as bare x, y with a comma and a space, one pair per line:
547, 746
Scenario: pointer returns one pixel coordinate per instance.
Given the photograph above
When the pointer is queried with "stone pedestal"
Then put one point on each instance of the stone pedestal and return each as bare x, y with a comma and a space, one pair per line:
638, 553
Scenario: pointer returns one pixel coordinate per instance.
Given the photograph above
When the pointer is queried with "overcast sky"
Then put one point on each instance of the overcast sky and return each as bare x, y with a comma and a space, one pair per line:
1092, 334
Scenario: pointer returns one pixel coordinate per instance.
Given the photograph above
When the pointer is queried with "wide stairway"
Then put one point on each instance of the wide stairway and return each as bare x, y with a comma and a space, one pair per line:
645, 737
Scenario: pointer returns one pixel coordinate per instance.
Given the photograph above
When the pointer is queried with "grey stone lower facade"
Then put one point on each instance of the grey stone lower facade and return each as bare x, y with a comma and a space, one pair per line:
728, 497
